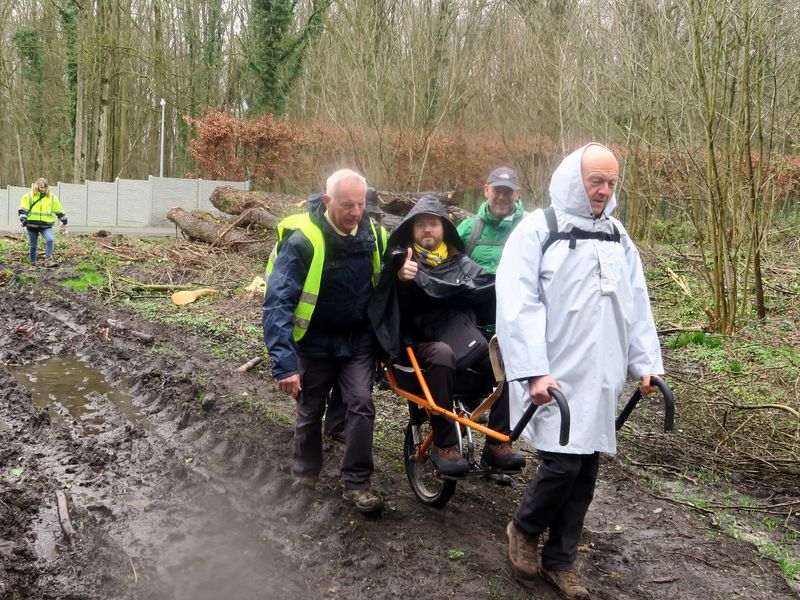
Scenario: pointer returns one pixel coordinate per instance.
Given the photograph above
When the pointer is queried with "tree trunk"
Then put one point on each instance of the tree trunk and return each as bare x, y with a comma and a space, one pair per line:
399, 203
235, 202
79, 156
223, 235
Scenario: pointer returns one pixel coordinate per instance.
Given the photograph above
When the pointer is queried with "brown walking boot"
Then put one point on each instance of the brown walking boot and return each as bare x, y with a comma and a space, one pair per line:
365, 500
522, 552
567, 583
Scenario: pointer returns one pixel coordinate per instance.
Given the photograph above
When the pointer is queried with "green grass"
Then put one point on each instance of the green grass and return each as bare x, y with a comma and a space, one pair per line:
90, 278
219, 335
695, 338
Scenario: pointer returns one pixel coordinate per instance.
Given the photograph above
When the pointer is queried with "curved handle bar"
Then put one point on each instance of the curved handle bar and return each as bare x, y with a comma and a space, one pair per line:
669, 405
563, 408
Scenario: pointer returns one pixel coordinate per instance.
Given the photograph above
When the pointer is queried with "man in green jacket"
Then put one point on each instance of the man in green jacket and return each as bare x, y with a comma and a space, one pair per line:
486, 233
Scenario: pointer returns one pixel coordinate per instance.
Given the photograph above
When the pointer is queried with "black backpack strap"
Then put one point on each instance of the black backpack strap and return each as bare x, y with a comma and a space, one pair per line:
550, 217
477, 230
574, 234
39, 199
552, 226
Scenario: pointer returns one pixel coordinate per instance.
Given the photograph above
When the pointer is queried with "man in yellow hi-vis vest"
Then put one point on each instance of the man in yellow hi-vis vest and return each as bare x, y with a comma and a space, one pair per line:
37, 213
320, 278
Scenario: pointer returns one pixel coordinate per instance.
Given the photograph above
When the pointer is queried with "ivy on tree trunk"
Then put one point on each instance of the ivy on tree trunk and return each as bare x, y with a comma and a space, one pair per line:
278, 50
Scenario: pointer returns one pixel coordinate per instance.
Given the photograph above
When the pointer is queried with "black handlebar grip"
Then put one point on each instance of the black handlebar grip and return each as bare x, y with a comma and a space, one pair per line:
669, 405
563, 408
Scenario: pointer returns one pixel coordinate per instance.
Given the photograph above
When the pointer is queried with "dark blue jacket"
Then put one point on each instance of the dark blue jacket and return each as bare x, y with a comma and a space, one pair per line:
339, 324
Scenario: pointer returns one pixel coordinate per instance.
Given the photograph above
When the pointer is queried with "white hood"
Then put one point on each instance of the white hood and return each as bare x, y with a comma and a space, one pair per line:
566, 187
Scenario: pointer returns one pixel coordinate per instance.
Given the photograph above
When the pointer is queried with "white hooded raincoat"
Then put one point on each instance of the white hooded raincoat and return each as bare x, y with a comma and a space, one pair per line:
582, 315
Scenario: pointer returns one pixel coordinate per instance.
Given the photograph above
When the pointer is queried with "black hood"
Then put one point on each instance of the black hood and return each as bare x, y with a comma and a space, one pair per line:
427, 205
315, 203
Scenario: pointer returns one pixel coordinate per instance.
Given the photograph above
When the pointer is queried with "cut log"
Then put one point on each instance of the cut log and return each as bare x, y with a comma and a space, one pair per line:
222, 235
258, 216
399, 204
234, 202
250, 364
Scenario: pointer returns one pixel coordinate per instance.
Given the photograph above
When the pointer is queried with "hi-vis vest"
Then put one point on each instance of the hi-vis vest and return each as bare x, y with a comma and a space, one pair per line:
40, 208
308, 297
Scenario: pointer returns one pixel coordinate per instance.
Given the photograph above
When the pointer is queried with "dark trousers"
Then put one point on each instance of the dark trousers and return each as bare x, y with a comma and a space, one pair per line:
353, 376
335, 413
558, 499
439, 363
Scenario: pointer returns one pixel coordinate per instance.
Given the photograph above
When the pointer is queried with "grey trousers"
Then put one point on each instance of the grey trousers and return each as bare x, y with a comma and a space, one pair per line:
353, 376
558, 499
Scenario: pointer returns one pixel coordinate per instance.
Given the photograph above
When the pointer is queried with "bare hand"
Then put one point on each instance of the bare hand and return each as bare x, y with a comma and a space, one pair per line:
409, 269
538, 389
291, 385
644, 385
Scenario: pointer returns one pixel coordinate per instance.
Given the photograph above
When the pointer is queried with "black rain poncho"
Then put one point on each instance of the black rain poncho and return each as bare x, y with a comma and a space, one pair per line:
457, 282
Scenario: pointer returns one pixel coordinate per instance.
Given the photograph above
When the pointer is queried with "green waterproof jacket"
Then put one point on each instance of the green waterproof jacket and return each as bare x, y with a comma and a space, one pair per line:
489, 247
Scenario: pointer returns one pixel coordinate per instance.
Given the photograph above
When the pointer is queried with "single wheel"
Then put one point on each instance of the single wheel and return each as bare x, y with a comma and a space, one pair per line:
431, 490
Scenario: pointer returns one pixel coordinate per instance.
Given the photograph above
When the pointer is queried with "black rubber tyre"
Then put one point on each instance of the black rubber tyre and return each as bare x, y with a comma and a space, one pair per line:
430, 490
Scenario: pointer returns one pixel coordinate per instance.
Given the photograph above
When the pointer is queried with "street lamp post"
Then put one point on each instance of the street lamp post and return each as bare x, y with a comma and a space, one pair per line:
161, 159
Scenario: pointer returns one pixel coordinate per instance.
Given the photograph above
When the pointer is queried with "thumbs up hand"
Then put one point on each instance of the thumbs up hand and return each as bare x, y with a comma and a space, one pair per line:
409, 269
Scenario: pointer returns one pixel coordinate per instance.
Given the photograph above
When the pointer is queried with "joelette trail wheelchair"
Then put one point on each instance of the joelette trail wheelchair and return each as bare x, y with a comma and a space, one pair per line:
473, 396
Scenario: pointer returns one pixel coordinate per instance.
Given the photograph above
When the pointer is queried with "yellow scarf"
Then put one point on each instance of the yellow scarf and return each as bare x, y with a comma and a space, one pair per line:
432, 257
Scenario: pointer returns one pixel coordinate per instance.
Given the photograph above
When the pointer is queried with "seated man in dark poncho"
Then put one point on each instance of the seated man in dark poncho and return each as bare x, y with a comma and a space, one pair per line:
429, 287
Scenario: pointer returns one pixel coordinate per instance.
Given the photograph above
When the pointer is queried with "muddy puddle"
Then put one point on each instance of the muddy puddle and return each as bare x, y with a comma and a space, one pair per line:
69, 389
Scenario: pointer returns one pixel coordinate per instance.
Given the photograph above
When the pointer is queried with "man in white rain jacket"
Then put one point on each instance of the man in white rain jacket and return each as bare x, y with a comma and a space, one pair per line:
572, 314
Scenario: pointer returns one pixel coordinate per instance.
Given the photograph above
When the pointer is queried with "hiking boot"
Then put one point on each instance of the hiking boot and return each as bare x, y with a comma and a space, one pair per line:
448, 460
502, 456
365, 501
48, 263
523, 552
567, 583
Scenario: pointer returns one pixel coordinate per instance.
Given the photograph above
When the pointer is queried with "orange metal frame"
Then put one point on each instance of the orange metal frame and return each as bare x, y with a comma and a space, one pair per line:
430, 405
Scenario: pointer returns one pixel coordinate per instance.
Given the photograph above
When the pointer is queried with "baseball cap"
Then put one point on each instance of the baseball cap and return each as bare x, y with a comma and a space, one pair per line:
503, 177
372, 205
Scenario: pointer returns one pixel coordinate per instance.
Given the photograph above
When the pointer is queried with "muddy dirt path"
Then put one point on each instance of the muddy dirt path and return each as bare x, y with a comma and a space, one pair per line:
184, 492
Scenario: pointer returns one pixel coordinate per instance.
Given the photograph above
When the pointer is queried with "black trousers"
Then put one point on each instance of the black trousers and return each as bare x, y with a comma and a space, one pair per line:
335, 413
439, 363
353, 376
557, 499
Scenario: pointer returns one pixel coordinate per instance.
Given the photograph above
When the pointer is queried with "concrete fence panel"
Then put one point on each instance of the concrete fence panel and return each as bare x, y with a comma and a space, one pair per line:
133, 209
123, 203
75, 202
5, 208
15, 194
169, 192
102, 208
